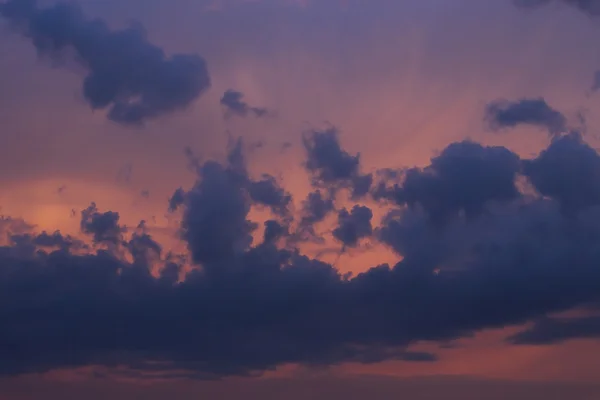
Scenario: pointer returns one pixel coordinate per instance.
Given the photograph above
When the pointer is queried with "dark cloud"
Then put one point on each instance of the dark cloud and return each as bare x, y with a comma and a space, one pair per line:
499, 258
131, 77
215, 223
267, 192
331, 166
353, 225
274, 231
506, 114
176, 199
235, 105
462, 179
142, 247
315, 208
568, 171
104, 227
47, 240
217, 207
220, 226
554, 330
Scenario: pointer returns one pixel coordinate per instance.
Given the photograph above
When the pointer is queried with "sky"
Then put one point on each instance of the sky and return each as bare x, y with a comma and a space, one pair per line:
302, 199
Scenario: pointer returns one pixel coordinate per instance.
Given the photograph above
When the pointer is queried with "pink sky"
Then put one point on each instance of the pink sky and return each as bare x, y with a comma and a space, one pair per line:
401, 80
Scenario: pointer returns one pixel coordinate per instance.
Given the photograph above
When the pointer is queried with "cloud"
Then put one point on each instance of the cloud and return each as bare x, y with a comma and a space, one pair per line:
554, 330
502, 114
267, 192
10, 226
129, 76
568, 171
246, 307
274, 231
462, 179
47, 240
315, 208
104, 227
233, 102
177, 199
331, 166
353, 225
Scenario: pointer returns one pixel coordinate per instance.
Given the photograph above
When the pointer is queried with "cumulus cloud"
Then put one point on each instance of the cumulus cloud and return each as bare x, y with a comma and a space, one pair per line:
353, 225
574, 184
331, 166
462, 179
497, 258
104, 227
132, 78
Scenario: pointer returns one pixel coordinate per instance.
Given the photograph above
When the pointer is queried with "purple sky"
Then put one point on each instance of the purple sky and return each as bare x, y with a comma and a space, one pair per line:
452, 140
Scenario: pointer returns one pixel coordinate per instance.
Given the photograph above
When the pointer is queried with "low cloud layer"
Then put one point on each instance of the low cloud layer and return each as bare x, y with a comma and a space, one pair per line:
477, 253
127, 75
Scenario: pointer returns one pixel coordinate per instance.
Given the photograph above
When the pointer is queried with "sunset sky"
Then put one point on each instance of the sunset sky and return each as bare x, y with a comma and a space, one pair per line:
300, 199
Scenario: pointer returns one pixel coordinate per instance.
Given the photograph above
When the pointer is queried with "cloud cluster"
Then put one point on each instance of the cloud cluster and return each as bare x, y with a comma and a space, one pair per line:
476, 253
129, 76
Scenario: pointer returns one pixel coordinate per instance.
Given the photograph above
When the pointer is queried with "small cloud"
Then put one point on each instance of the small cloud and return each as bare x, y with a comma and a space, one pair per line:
234, 105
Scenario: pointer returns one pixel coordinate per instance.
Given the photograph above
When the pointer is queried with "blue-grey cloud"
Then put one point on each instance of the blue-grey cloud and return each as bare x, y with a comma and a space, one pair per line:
130, 76
568, 171
554, 330
317, 206
233, 101
503, 114
464, 178
247, 307
353, 225
104, 227
332, 166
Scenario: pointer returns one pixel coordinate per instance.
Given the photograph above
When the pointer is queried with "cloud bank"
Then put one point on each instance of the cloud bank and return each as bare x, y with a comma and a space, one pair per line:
476, 253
